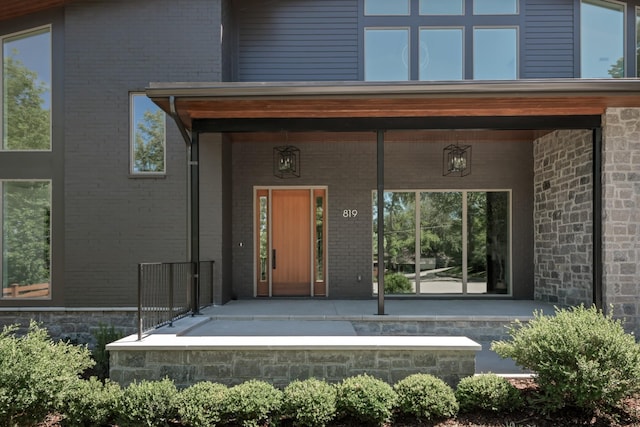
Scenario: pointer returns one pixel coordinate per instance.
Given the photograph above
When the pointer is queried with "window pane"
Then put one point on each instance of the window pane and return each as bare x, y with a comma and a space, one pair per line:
319, 250
495, 7
441, 242
26, 91
386, 7
441, 7
488, 242
495, 54
400, 242
602, 39
148, 136
441, 54
386, 54
26, 224
264, 242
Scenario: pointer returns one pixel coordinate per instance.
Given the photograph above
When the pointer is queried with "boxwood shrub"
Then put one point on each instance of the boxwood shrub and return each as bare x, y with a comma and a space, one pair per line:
202, 404
252, 404
365, 399
426, 397
149, 403
92, 403
310, 402
488, 392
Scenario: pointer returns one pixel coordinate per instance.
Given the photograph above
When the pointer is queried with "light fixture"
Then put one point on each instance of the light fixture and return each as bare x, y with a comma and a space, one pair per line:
456, 160
286, 161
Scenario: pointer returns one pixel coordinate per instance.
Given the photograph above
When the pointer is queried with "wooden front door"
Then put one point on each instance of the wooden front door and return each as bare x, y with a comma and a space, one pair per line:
291, 242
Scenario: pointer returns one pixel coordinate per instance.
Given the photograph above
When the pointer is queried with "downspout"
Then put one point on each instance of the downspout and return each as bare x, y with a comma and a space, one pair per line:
597, 219
193, 205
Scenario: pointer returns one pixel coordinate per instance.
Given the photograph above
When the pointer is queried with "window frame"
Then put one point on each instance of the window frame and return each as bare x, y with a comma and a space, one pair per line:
464, 217
133, 95
46, 28
51, 238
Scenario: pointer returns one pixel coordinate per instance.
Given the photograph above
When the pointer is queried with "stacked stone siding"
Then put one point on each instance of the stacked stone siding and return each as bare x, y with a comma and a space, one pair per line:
280, 367
621, 216
563, 188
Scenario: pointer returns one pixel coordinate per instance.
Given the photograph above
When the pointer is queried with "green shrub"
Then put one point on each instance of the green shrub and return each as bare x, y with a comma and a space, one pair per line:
92, 403
252, 403
488, 392
36, 374
310, 402
582, 358
104, 335
397, 283
365, 399
201, 404
149, 403
426, 397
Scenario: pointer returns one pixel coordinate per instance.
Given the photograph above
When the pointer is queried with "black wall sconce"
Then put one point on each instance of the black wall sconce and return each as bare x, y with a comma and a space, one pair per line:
286, 161
456, 160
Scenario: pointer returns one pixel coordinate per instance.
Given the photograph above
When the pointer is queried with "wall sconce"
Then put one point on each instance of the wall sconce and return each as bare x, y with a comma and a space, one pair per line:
456, 160
286, 161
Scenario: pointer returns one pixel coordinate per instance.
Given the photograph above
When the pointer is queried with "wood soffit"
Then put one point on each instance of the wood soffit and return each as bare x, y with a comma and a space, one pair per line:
553, 98
14, 8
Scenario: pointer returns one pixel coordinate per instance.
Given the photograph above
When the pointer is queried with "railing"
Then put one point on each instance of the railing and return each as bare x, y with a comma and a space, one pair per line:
166, 292
26, 291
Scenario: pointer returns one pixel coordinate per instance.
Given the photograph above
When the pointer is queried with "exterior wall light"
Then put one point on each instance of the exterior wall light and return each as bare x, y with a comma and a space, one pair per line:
286, 161
456, 160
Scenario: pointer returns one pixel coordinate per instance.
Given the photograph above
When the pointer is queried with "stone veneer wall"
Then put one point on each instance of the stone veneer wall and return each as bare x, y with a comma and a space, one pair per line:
280, 367
563, 217
621, 216
79, 325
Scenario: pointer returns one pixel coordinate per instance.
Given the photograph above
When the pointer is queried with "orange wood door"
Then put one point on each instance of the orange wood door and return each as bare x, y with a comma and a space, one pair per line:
291, 242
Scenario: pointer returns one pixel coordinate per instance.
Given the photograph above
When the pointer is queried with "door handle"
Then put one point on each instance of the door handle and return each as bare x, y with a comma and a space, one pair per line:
273, 259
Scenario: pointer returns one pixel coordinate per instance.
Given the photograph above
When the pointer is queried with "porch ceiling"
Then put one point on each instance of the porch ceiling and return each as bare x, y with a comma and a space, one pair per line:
312, 106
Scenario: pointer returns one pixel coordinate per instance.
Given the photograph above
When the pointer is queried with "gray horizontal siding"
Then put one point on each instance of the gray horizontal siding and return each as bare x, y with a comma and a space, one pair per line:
297, 40
548, 39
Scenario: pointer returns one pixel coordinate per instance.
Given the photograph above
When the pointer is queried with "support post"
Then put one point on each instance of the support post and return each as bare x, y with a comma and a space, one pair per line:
380, 174
597, 219
195, 223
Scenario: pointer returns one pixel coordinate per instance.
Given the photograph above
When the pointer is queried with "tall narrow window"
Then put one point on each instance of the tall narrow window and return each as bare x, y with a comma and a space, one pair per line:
441, 54
25, 221
26, 91
495, 53
602, 39
148, 141
386, 54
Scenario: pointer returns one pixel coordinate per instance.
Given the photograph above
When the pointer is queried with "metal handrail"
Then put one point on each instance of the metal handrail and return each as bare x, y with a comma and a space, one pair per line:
166, 292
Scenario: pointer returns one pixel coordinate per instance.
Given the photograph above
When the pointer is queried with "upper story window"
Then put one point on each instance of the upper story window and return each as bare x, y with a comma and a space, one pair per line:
440, 40
148, 141
26, 90
602, 37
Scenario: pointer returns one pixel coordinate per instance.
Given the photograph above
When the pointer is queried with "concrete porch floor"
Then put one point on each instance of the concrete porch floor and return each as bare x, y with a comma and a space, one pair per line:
325, 317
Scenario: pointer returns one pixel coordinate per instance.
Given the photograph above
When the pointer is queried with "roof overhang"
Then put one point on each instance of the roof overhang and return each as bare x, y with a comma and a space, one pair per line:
359, 106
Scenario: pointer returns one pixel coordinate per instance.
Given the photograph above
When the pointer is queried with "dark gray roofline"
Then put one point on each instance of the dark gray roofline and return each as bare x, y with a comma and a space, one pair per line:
385, 89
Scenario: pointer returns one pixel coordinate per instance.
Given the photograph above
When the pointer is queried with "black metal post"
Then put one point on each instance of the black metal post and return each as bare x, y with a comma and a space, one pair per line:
171, 289
597, 218
139, 302
195, 223
380, 163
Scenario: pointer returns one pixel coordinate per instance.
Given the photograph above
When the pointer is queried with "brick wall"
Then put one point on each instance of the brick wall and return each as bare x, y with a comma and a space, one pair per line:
621, 216
563, 217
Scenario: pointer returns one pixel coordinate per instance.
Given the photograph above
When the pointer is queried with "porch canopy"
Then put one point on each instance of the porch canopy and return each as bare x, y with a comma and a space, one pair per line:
524, 108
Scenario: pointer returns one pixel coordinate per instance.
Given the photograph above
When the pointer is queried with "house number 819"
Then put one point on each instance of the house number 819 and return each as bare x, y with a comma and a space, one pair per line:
350, 213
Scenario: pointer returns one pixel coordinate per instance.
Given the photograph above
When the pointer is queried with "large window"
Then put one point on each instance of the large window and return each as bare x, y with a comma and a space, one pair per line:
148, 126
602, 39
26, 91
445, 242
25, 230
440, 40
